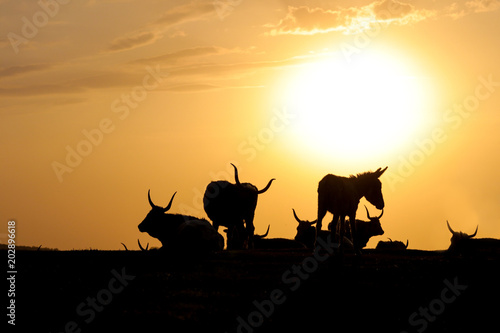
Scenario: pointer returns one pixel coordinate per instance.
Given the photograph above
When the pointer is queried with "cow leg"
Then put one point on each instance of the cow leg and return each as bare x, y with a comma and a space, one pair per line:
230, 238
238, 239
250, 230
352, 220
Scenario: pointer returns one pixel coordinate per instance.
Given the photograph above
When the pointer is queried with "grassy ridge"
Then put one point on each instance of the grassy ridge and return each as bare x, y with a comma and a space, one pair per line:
232, 292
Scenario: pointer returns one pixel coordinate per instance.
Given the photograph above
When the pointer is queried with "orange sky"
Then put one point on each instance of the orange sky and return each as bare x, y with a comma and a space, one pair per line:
102, 100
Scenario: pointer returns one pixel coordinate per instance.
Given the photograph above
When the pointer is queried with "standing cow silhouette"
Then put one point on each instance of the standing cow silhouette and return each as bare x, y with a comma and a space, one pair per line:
233, 206
340, 196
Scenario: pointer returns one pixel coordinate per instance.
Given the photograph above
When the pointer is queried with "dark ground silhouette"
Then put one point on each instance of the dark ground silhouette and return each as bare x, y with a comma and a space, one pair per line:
256, 291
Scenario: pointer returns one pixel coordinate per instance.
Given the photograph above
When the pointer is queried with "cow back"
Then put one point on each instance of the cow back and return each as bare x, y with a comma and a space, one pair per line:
198, 236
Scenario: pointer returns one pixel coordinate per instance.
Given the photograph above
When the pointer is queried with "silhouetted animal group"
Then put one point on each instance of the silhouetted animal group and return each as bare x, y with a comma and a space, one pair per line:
233, 207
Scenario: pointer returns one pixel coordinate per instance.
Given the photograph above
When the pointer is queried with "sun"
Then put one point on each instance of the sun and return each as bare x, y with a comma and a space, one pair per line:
371, 106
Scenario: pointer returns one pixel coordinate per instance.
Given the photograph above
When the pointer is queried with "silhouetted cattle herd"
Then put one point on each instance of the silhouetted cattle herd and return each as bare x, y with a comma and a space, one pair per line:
233, 207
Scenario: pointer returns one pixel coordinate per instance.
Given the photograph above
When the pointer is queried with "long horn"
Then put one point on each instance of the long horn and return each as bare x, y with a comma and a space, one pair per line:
264, 235
381, 214
300, 221
296, 217
140, 246
170, 203
236, 175
267, 187
150, 201
407, 242
367, 213
449, 228
474, 234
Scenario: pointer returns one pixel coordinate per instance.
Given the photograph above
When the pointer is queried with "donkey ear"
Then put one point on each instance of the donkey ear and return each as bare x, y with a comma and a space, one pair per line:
380, 171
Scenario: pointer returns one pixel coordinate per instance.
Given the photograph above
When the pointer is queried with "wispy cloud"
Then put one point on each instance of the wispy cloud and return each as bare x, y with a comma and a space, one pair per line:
460, 9
233, 70
308, 21
133, 41
39, 89
182, 77
195, 52
479, 6
99, 80
197, 10
23, 69
193, 88
305, 20
189, 12
188, 88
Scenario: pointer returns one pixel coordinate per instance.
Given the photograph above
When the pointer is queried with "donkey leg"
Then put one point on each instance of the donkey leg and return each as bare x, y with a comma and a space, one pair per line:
319, 221
341, 233
333, 226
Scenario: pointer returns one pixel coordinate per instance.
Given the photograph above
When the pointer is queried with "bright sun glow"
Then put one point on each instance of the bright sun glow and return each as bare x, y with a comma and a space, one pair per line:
368, 107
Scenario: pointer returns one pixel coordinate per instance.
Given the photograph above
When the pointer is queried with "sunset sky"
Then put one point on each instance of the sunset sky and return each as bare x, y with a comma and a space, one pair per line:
101, 100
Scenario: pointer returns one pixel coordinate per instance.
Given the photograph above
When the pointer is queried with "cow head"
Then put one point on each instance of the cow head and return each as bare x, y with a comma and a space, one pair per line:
458, 236
306, 232
373, 189
375, 226
155, 223
247, 186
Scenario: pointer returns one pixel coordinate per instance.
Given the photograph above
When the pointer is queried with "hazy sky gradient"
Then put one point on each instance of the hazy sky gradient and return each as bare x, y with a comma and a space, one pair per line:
102, 100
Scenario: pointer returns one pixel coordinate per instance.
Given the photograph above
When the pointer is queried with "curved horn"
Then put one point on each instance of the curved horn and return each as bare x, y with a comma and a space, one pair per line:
140, 246
150, 201
449, 228
367, 213
264, 235
300, 221
407, 242
267, 187
381, 214
236, 175
296, 217
170, 203
474, 234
